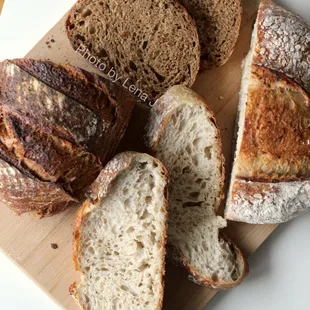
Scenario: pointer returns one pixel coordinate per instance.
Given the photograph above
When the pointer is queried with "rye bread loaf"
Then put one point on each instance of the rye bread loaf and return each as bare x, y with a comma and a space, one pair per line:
120, 236
58, 125
271, 177
153, 43
218, 23
183, 134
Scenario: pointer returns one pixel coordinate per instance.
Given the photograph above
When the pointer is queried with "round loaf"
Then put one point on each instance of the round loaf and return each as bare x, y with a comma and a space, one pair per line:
59, 125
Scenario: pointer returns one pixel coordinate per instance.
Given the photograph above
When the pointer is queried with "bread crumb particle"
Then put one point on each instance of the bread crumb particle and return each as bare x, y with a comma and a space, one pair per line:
221, 97
54, 246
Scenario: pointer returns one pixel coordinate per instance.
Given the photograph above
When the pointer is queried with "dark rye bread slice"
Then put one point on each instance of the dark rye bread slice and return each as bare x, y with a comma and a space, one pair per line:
53, 137
218, 23
154, 43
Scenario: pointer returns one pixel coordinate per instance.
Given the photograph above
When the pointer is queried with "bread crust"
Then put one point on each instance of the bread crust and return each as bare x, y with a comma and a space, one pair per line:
24, 193
277, 114
268, 203
156, 126
270, 179
58, 125
283, 40
99, 189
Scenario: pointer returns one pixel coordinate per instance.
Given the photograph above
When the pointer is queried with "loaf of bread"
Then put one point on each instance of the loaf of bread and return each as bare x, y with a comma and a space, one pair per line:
120, 236
183, 134
153, 43
271, 177
59, 124
218, 23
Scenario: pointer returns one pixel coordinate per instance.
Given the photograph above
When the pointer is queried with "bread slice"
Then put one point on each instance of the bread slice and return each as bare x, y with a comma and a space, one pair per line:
153, 43
218, 24
120, 236
270, 180
183, 134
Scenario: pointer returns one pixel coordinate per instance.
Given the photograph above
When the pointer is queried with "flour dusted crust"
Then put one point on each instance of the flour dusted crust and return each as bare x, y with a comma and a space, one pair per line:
271, 175
262, 203
283, 42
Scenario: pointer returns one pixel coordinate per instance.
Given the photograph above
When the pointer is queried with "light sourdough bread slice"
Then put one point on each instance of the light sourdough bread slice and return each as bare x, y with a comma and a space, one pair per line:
270, 180
218, 24
153, 43
183, 134
120, 236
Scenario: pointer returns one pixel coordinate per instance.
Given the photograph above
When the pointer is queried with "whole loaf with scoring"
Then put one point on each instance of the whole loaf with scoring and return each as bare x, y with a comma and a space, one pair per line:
59, 125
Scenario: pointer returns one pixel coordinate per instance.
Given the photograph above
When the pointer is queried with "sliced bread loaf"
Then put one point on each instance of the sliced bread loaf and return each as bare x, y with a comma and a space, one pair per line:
183, 134
270, 180
120, 236
218, 24
153, 43
57, 125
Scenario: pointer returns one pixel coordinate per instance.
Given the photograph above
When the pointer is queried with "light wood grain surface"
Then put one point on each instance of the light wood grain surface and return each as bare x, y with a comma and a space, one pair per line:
1, 5
28, 241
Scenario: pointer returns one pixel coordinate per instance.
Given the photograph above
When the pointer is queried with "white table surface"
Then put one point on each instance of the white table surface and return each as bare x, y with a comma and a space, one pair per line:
279, 270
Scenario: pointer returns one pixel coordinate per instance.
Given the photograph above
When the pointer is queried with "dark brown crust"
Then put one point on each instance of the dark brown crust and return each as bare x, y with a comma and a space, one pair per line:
277, 114
111, 105
72, 167
57, 125
23, 194
99, 190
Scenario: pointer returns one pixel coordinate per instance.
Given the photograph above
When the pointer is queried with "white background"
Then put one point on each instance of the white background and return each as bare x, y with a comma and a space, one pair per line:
279, 270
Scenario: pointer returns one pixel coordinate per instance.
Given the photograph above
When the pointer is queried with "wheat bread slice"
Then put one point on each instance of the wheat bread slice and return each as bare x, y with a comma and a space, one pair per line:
218, 23
183, 134
270, 181
153, 43
120, 236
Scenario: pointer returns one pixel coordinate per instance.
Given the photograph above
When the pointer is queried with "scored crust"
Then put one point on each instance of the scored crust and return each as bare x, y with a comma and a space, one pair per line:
271, 175
58, 125
283, 40
277, 114
99, 189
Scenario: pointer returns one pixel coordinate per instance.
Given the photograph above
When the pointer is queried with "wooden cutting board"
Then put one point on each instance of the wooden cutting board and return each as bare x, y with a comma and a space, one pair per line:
28, 241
